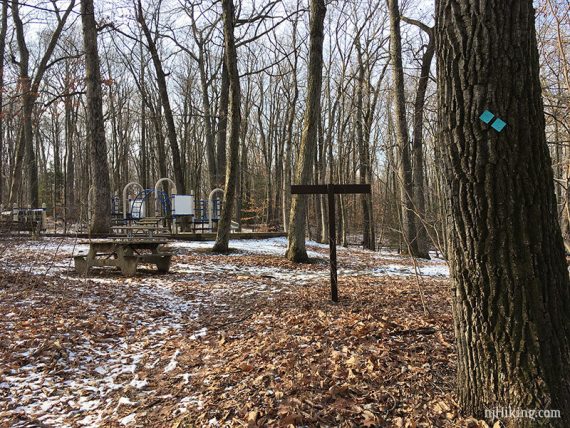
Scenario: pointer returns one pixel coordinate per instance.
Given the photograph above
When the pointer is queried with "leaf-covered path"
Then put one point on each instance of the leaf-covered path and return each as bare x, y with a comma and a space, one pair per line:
235, 340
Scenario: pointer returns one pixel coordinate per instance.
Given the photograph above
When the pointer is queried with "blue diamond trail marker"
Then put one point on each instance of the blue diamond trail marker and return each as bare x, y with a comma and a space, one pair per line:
487, 117
498, 125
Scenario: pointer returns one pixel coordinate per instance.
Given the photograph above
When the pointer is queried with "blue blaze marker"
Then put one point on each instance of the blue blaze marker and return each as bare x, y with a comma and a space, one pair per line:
487, 116
498, 125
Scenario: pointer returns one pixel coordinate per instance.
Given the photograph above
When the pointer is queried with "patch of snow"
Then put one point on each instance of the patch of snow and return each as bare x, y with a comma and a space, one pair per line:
172, 364
126, 400
128, 419
200, 333
185, 377
439, 270
270, 246
138, 384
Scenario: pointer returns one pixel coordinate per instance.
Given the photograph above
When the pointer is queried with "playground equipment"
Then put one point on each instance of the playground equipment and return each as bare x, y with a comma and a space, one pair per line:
125, 189
17, 219
217, 209
168, 210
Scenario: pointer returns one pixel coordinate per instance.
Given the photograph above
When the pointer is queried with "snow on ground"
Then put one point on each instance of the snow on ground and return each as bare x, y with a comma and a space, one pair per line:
80, 378
107, 333
277, 247
271, 246
63, 247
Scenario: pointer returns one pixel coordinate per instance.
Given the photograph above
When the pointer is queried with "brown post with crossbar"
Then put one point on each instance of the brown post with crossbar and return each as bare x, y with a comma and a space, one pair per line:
332, 244
331, 190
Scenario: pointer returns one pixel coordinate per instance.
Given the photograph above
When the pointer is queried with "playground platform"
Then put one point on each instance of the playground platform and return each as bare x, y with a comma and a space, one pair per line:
234, 235
187, 236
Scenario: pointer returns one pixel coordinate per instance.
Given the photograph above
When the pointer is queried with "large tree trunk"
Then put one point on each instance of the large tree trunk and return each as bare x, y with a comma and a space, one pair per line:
511, 294
296, 250
233, 132
409, 233
95, 126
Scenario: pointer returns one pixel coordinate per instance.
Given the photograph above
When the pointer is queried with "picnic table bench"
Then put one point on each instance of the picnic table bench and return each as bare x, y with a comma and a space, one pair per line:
124, 254
149, 226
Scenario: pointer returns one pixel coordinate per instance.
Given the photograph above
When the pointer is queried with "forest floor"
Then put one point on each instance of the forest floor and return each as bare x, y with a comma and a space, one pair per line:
245, 339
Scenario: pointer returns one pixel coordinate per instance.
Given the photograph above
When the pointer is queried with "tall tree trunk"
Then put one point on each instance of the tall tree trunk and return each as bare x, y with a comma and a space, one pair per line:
25, 138
95, 126
70, 120
165, 100
296, 250
2, 51
208, 128
233, 133
511, 294
291, 113
418, 153
418, 140
221, 136
144, 152
156, 113
409, 233
368, 241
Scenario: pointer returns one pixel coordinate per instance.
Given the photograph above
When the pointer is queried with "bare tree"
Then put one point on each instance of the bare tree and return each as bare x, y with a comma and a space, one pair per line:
29, 92
3, 31
165, 100
233, 132
418, 137
409, 229
296, 250
95, 126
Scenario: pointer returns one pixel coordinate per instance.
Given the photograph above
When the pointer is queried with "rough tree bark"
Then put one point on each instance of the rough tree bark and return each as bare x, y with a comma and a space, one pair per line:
233, 131
409, 231
296, 250
511, 292
95, 127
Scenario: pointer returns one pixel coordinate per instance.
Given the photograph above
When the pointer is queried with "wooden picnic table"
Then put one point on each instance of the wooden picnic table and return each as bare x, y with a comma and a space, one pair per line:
124, 254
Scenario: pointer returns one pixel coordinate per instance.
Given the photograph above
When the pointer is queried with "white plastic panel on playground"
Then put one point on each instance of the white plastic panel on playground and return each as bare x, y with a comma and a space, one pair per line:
183, 204
137, 214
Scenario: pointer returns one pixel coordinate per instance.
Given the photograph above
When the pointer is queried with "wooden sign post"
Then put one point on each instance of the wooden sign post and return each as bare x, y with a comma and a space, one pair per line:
331, 190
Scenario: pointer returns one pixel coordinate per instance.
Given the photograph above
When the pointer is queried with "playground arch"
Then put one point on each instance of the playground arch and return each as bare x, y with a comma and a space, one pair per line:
125, 189
211, 206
